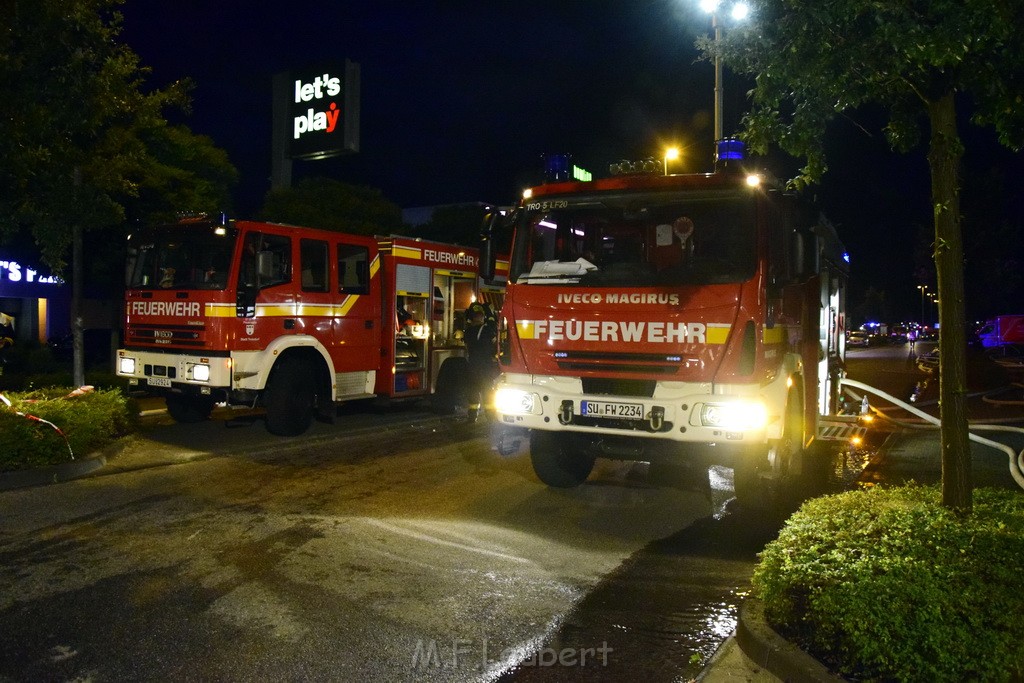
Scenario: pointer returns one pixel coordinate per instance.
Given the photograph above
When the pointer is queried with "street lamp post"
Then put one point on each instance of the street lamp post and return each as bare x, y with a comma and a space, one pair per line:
739, 11
718, 78
671, 154
924, 289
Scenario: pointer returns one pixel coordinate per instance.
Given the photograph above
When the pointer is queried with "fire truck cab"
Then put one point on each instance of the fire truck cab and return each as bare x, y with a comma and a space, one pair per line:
293, 319
670, 318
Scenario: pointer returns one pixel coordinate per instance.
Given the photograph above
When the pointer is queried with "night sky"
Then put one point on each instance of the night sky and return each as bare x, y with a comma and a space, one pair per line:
460, 99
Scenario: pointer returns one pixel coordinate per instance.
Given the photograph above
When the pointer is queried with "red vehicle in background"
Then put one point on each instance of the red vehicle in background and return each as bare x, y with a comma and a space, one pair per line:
293, 319
687, 319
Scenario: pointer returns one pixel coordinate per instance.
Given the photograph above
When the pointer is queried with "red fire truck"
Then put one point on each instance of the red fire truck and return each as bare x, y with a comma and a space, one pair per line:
671, 319
293, 319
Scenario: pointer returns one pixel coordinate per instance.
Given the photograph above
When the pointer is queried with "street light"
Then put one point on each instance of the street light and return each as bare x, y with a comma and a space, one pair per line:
671, 154
924, 289
739, 11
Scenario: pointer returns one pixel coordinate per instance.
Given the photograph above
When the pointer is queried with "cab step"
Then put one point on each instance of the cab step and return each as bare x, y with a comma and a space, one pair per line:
840, 428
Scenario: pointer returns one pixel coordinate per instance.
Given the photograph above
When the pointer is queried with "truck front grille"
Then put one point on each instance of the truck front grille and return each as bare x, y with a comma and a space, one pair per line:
170, 335
604, 361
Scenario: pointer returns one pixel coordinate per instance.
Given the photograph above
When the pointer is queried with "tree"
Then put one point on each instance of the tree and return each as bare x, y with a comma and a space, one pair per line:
917, 59
75, 129
185, 172
333, 205
455, 224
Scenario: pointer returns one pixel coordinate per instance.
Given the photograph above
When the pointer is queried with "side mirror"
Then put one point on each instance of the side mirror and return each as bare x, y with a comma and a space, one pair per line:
245, 302
265, 265
488, 256
805, 248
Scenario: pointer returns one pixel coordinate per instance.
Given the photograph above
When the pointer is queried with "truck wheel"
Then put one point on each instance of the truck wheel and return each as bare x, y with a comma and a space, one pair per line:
769, 478
556, 463
752, 491
289, 398
189, 409
450, 390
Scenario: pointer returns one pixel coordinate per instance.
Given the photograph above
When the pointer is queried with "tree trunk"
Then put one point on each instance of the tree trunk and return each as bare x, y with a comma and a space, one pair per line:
77, 336
944, 156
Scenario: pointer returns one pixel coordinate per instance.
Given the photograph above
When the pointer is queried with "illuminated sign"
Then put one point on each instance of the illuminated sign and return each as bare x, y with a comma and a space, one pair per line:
318, 110
581, 174
328, 87
12, 271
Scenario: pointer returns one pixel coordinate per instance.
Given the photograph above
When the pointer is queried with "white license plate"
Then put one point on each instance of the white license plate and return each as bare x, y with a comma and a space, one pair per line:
612, 409
158, 381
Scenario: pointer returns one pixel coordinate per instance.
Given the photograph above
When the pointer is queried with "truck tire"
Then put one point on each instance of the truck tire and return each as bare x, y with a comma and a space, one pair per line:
556, 462
761, 486
290, 397
753, 491
189, 409
450, 390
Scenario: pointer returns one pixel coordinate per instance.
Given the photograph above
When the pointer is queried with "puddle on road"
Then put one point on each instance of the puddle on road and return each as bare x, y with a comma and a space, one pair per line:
666, 610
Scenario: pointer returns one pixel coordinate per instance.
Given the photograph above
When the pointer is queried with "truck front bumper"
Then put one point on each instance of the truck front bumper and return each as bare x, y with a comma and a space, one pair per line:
166, 370
684, 412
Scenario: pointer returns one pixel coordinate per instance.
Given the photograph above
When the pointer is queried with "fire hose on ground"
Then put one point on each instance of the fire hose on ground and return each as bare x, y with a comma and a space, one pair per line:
1016, 459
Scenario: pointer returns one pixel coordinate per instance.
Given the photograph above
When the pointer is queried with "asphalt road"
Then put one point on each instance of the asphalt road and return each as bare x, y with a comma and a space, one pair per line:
388, 546
370, 553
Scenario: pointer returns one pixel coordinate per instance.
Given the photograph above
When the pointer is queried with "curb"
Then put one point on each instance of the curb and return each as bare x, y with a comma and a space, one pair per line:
53, 474
764, 646
89, 465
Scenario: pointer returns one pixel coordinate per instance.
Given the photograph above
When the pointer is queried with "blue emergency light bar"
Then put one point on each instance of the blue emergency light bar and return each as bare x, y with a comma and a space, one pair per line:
730, 149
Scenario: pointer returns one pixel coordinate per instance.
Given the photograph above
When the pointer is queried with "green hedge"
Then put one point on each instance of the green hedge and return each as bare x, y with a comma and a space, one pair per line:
886, 583
89, 422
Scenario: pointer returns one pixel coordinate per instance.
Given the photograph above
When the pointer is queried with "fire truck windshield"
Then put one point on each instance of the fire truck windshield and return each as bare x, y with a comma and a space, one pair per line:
647, 240
180, 257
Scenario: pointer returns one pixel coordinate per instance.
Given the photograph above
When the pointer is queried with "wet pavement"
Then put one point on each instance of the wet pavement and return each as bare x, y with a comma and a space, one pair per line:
671, 610
667, 610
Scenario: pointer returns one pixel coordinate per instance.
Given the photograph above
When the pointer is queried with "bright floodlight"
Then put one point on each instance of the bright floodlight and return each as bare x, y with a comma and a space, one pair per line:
672, 153
709, 6
740, 11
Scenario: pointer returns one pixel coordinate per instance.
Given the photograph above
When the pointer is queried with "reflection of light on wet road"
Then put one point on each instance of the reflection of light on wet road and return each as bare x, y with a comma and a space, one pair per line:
720, 621
721, 488
667, 610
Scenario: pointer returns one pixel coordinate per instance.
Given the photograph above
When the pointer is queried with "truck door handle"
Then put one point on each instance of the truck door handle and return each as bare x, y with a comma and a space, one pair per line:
368, 324
289, 323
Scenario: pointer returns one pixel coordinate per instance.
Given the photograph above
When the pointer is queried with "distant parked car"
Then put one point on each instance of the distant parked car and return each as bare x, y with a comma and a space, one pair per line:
858, 338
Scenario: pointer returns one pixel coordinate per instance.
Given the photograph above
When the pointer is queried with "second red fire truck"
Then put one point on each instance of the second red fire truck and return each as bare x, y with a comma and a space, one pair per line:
671, 319
294, 319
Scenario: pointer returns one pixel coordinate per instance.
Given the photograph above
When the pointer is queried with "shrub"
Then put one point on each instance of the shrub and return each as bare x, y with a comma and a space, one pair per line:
89, 422
887, 583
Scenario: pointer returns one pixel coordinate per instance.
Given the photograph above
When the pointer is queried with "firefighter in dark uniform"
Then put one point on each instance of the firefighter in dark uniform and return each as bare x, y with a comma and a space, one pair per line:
480, 337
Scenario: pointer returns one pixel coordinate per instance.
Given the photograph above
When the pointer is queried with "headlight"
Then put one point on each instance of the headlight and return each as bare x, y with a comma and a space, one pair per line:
201, 373
510, 401
126, 366
737, 416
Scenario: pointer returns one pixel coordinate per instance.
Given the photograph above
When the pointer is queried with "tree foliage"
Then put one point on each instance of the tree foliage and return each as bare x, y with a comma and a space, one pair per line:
186, 172
333, 205
813, 61
80, 138
455, 224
